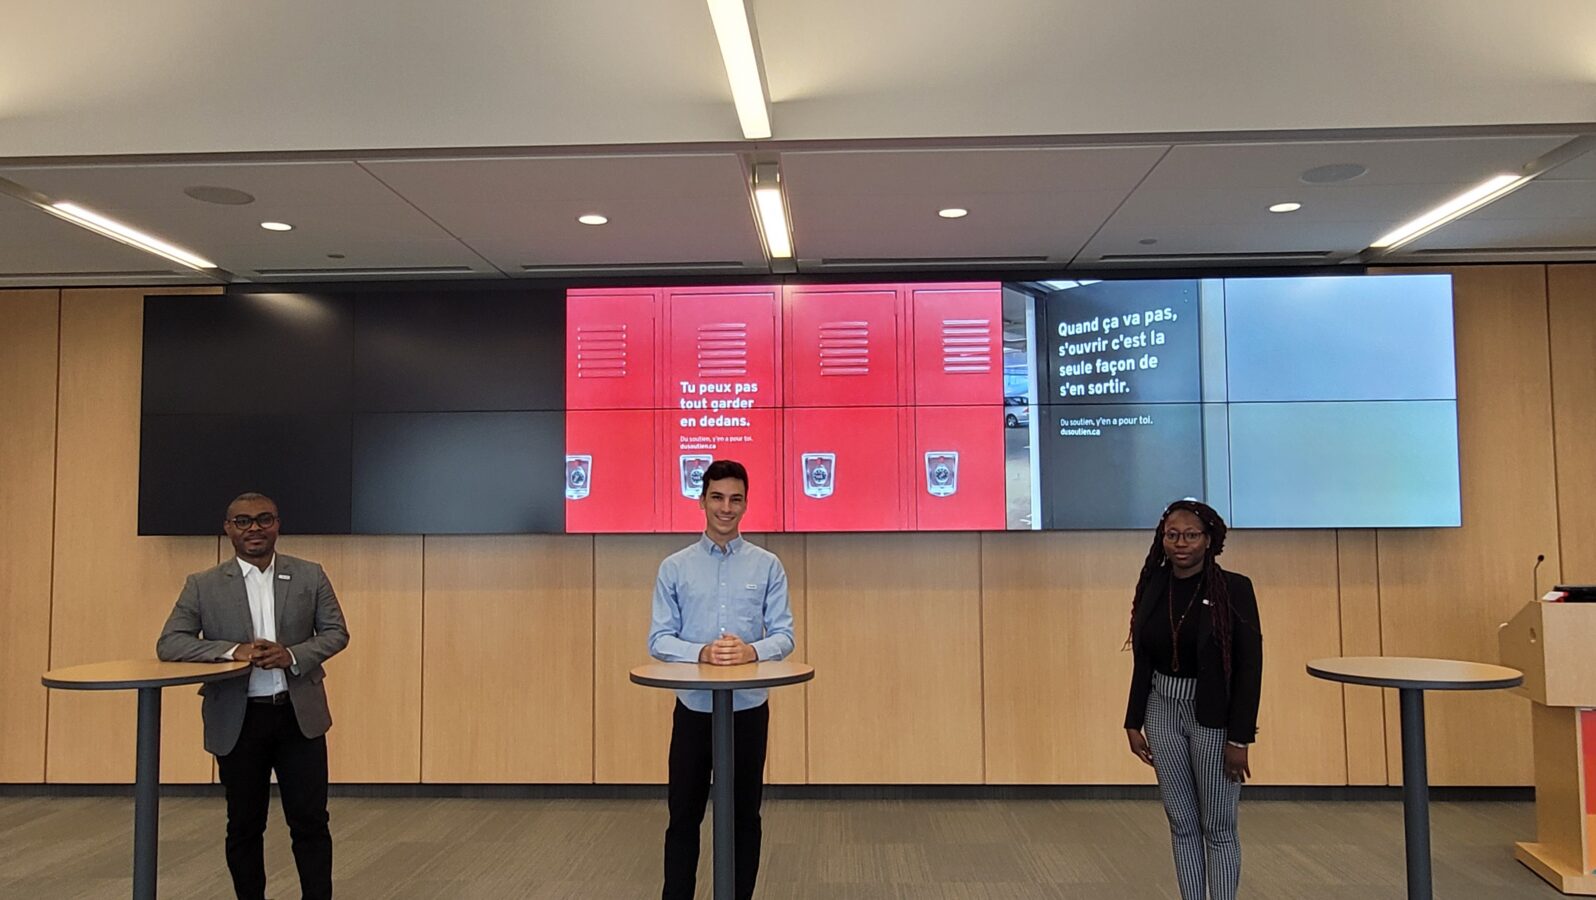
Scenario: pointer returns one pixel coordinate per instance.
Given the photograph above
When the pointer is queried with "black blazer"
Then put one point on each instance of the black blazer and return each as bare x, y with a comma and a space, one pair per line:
1231, 705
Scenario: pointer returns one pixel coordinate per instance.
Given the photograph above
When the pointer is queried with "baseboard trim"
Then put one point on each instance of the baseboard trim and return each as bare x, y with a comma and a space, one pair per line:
1254, 793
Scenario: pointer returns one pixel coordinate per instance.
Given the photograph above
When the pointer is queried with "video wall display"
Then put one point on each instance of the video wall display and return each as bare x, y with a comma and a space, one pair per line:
891, 406
1284, 402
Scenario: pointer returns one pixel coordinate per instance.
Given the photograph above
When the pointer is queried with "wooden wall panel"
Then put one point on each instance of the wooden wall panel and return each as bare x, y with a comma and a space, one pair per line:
1443, 592
1572, 295
1301, 728
1359, 576
374, 686
631, 723
895, 639
787, 759
527, 624
112, 589
507, 639
1055, 612
28, 320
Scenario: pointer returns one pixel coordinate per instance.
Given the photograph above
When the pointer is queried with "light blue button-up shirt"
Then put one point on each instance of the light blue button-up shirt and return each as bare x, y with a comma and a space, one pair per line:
703, 592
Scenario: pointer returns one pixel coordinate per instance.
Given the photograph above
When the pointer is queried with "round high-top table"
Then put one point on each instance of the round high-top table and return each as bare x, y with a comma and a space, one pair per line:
1412, 676
720, 681
147, 676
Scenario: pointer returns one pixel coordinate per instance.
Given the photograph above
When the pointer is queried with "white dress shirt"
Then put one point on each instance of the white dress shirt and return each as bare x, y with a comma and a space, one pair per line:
262, 589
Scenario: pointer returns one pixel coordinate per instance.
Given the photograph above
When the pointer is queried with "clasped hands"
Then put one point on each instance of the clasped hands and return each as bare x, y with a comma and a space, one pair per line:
264, 654
728, 650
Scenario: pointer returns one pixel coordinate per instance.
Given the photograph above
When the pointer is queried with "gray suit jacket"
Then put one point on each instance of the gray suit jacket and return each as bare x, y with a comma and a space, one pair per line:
212, 615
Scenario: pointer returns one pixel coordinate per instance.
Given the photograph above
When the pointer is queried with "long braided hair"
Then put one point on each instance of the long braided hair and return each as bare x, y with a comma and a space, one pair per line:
1215, 587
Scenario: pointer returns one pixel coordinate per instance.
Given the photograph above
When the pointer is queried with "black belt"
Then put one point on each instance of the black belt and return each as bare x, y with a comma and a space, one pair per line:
278, 699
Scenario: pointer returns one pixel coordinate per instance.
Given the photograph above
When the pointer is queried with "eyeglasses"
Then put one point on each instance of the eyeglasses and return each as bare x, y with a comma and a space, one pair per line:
264, 520
1189, 537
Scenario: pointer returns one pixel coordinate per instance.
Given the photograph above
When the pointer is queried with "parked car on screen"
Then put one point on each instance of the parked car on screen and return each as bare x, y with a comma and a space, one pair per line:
1016, 412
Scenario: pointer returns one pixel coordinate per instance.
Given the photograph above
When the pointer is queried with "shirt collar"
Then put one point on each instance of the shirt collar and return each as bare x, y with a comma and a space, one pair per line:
713, 549
245, 566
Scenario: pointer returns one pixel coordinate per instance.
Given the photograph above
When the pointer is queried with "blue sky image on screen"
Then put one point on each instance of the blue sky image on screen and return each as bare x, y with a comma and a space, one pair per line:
1354, 337
1344, 465
1343, 402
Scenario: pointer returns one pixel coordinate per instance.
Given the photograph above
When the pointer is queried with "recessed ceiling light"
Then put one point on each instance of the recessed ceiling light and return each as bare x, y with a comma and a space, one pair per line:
1288, 206
277, 226
592, 219
772, 208
953, 212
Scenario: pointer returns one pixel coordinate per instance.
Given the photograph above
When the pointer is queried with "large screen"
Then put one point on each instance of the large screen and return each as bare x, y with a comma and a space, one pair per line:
1284, 402
892, 406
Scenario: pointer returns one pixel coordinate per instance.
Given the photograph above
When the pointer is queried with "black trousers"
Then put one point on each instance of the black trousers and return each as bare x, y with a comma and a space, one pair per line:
271, 741
690, 763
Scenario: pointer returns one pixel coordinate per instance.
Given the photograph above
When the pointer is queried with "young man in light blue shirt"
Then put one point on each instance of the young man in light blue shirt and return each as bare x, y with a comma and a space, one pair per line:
721, 601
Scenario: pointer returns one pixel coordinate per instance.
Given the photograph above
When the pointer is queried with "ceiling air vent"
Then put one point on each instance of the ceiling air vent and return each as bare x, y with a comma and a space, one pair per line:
1206, 258
128, 273
1503, 252
919, 262
366, 272
719, 265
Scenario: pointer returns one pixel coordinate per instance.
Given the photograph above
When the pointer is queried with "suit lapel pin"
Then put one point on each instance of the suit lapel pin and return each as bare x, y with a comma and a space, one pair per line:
285, 578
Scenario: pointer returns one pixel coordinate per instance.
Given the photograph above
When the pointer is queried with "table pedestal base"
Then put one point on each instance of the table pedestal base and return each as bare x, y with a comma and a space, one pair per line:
1415, 794
147, 794
723, 758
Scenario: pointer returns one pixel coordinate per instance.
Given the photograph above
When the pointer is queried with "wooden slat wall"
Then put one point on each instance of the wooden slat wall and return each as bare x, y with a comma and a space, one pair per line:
1443, 591
895, 639
1055, 612
28, 321
1359, 577
1572, 291
787, 760
955, 658
112, 589
507, 690
631, 724
1301, 727
374, 686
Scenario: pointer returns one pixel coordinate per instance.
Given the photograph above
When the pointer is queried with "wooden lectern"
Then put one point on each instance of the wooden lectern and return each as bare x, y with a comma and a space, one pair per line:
1554, 645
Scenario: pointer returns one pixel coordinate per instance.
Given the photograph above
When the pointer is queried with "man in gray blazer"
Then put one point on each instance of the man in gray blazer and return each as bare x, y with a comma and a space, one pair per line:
280, 614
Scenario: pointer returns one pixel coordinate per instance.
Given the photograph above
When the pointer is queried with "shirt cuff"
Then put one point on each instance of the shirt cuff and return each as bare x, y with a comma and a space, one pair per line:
293, 662
231, 650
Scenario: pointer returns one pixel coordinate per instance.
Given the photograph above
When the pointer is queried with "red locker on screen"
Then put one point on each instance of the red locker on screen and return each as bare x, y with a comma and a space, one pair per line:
686, 450
609, 471
843, 468
843, 346
610, 341
958, 477
721, 344
958, 344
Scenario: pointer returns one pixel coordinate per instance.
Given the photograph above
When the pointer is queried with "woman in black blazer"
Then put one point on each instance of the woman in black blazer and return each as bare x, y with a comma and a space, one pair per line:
1193, 707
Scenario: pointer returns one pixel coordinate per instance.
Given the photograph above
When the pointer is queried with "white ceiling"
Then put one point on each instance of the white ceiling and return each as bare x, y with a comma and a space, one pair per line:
404, 142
